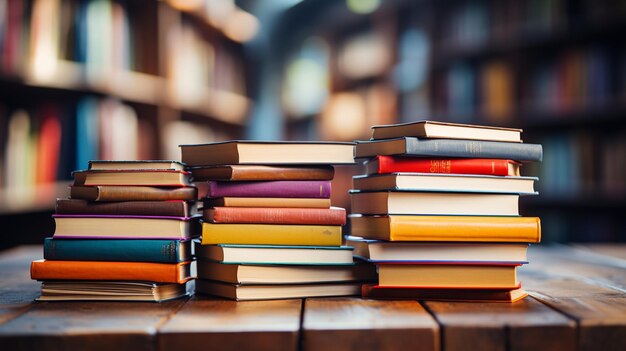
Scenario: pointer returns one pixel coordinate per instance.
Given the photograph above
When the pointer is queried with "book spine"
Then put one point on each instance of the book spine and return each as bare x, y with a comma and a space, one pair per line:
139, 208
473, 149
135, 193
167, 251
282, 173
290, 189
314, 216
271, 234
389, 164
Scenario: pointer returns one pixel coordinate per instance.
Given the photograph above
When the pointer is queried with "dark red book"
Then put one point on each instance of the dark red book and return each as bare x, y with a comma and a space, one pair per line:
175, 208
390, 164
277, 215
319, 189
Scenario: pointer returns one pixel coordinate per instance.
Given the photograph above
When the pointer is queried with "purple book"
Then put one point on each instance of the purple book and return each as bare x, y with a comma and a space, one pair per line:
319, 189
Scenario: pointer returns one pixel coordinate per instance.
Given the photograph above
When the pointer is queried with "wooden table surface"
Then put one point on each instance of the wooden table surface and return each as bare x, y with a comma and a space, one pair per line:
578, 302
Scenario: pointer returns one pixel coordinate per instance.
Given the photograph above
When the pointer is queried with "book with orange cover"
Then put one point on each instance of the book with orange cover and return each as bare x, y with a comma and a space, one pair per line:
447, 228
108, 270
391, 164
370, 291
276, 215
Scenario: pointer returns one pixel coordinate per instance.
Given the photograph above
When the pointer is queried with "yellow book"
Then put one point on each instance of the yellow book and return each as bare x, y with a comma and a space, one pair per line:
448, 276
271, 234
447, 228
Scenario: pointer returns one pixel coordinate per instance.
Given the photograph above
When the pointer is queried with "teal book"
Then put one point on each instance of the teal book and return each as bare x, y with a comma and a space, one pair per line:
127, 250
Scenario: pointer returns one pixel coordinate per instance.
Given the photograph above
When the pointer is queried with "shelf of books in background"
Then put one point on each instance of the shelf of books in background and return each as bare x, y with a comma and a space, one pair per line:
268, 228
123, 234
437, 211
106, 79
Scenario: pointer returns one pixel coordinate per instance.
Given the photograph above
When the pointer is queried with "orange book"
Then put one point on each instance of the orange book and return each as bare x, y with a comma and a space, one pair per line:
277, 215
48, 147
105, 270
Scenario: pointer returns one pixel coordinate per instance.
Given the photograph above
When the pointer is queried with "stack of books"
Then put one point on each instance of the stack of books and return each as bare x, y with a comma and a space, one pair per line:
124, 234
437, 211
268, 229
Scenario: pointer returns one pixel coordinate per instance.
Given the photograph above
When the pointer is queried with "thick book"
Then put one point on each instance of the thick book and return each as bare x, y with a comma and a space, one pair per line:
110, 270
154, 177
238, 152
276, 215
125, 227
448, 276
276, 202
175, 208
284, 274
434, 203
319, 189
447, 228
273, 291
80, 290
445, 130
136, 165
141, 250
371, 291
446, 182
133, 193
262, 172
392, 164
276, 255
425, 252
411, 146
271, 234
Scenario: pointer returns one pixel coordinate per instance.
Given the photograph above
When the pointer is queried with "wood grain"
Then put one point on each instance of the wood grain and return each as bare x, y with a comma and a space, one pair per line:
356, 324
17, 290
208, 323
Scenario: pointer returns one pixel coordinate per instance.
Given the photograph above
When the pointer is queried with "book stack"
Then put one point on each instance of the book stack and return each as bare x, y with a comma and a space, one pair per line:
268, 229
437, 211
124, 234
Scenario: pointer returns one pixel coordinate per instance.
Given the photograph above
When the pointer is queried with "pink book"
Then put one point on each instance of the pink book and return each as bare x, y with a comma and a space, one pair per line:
319, 189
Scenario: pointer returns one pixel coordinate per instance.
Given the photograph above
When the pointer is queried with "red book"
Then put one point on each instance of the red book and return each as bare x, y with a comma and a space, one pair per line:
390, 164
254, 215
49, 146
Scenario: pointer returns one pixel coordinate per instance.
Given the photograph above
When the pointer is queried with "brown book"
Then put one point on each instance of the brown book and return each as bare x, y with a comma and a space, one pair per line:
132, 193
444, 130
370, 291
139, 208
154, 177
260, 172
277, 215
281, 202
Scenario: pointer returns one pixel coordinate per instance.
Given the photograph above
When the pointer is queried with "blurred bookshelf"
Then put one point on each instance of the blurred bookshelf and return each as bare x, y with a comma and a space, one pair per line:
555, 68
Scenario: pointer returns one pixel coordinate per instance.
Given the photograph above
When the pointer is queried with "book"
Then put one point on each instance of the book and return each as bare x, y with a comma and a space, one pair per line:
81, 290
238, 152
410, 146
275, 255
267, 202
164, 178
117, 250
448, 276
447, 228
371, 291
272, 292
284, 274
109, 270
276, 215
424, 252
392, 164
434, 203
136, 165
174, 208
277, 188
262, 172
271, 234
128, 227
445, 130
132, 193
445, 182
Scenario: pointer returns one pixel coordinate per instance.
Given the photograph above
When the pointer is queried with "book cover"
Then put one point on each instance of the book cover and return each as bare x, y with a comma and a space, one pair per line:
446, 130
269, 215
371, 291
262, 172
117, 250
391, 164
271, 234
132, 193
287, 188
174, 208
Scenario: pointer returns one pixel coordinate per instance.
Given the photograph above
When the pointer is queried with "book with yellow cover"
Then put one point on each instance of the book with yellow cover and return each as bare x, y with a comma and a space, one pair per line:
447, 228
271, 234
448, 276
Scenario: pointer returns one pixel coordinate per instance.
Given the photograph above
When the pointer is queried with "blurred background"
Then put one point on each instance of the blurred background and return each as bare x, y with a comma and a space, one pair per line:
130, 79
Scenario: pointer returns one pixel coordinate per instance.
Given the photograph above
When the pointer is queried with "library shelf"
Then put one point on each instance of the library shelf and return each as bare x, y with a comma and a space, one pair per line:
35, 198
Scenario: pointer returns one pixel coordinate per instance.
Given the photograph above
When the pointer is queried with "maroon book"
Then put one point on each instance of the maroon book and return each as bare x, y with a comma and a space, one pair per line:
319, 189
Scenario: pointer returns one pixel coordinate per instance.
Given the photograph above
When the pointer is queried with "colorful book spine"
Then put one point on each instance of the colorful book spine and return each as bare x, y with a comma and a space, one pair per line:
271, 234
251, 215
132, 193
175, 208
290, 189
389, 164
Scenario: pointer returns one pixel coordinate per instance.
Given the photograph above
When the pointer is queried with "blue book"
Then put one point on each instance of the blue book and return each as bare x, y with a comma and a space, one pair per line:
127, 250
87, 132
411, 146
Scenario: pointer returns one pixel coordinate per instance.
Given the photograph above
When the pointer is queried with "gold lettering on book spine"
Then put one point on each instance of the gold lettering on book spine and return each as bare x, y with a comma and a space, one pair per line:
440, 166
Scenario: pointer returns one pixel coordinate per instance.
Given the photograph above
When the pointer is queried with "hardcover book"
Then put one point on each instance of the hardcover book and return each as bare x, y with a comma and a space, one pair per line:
271, 234
262, 172
485, 166
132, 193
268, 215
175, 208
442, 276
135, 165
444, 130
81, 290
370, 291
273, 291
277, 202
280, 188
158, 177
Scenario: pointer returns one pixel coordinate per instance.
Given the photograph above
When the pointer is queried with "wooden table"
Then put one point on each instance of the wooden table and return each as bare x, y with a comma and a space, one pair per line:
578, 302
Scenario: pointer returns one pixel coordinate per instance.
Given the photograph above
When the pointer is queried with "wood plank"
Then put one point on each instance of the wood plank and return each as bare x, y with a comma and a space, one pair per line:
614, 250
209, 323
17, 290
524, 325
356, 324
